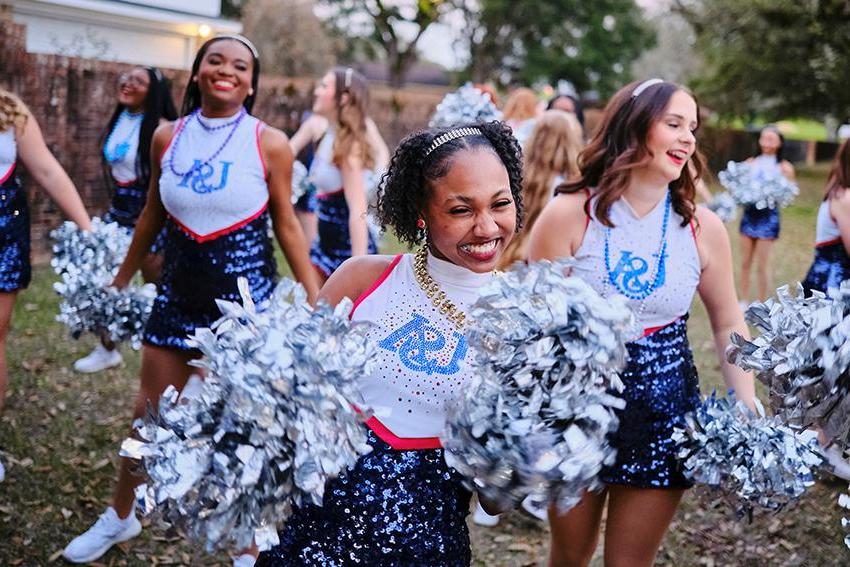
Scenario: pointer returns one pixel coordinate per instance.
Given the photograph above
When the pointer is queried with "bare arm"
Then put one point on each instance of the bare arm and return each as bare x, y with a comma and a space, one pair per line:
788, 170
839, 209
717, 291
353, 277
560, 229
355, 198
153, 214
309, 131
277, 153
47, 172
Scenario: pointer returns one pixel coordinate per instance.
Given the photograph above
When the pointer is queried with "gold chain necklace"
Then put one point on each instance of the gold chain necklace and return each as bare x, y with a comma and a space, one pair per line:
432, 289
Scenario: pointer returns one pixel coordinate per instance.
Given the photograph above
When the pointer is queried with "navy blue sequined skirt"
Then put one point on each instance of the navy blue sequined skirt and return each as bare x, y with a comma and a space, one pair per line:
760, 223
307, 202
333, 245
393, 508
661, 386
127, 204
15, 271
195, 274
830, 267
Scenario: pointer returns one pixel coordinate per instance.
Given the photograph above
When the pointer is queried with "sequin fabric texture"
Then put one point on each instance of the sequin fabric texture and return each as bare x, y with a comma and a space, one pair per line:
195, 274
661, 386
127, 204
333, 246
393, 508
15, 272
830, 267
760, 223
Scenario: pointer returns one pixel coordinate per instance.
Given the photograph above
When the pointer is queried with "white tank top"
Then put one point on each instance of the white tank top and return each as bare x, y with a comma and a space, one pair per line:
207, 197
8, 154
421, 355
633, 259
325, 176
827, 231
122, 147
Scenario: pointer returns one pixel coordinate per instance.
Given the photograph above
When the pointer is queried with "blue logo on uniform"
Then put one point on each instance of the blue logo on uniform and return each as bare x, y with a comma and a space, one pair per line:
630, 268
200, 174
412, 343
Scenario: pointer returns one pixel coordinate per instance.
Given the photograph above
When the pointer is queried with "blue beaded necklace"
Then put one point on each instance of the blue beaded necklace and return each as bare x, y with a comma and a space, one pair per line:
660, 265
119, 150
196, 114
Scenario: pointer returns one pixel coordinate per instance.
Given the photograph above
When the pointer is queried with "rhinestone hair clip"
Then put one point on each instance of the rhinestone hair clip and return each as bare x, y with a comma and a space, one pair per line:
645, 85
451, 135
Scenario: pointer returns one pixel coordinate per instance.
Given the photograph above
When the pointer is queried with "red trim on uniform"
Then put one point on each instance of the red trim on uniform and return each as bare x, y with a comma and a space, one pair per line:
259, 129
375, 285
8, 173
126, 183
649, 330
320, 270
401, 443
180, 124
213, 235
828, 242
330, 193
693, 230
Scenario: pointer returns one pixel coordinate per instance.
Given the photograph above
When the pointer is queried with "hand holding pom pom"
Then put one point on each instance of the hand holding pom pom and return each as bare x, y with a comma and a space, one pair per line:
766, 192
271, 424
535, 420
464, 106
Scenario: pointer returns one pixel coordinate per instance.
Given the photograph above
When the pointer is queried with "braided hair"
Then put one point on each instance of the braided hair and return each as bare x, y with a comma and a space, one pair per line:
406, 186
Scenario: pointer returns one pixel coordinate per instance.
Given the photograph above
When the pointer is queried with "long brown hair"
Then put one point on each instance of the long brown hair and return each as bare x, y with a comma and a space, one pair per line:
521, 105
13, 113
619, 146
552, 150
839, 175
351, 117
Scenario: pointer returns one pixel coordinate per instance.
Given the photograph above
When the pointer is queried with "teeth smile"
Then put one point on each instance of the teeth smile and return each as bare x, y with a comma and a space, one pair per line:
480, 248
227, 84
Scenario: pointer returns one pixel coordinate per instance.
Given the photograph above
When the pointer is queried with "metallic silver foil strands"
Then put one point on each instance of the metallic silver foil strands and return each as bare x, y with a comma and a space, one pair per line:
756, 460
301, 183
464, 106
767, 192
844, 502
271, 424
87, 262
535, 420
724, 205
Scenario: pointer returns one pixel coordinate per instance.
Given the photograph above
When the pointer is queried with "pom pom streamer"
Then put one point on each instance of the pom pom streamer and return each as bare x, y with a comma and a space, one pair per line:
844, 502
535, 420
724, 205
301, 182
768, 192
271, 424
464, 106
87, 262
802, 354
756, 460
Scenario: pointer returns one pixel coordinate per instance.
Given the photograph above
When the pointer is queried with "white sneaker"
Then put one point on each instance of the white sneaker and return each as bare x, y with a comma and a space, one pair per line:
244, 560
108, 530
835, 457
482, 518
99, 359
535, 509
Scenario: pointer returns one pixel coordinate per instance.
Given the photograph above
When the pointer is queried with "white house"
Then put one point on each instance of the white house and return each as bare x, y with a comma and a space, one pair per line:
160, 33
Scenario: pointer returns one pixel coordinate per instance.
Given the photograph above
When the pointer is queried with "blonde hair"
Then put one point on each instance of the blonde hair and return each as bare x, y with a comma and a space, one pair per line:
552, 150
521, 105
13, 112
351, 117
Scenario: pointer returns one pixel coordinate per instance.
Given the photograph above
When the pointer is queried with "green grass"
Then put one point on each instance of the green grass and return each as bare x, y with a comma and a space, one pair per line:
61, 431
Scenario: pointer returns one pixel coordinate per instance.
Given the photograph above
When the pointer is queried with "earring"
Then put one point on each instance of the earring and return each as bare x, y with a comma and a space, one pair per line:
250, 92
420, 224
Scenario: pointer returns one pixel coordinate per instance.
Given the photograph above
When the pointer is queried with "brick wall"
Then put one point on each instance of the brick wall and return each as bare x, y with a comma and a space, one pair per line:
72, 100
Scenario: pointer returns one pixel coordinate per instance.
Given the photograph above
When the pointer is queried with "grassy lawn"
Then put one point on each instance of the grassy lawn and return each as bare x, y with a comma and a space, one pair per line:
60, 434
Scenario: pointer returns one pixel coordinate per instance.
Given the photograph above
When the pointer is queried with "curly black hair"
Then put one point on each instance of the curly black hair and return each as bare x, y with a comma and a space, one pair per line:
406, 186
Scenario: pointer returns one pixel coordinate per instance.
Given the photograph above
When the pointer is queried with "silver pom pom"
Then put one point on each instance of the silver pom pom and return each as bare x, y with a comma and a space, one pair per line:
844, 502
301, 182
87, 262
724, 206
769, 192
803, 354
535, 421
464, 106
755, 459
271, 424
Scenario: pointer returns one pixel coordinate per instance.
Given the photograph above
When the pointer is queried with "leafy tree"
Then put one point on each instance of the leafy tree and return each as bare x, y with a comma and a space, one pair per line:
590, 43
391, 29
232, 9
773, 58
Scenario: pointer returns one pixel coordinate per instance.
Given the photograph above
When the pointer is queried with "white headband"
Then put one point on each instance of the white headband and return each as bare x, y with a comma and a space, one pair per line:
451, 135
243, 40
349, 72
645, 85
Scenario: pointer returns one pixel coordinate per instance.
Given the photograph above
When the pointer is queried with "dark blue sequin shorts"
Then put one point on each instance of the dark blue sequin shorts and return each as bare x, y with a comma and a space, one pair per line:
195, 274
830, 267
127, 204
760, 223
333, 245
15, 271
393, 508
661, 386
